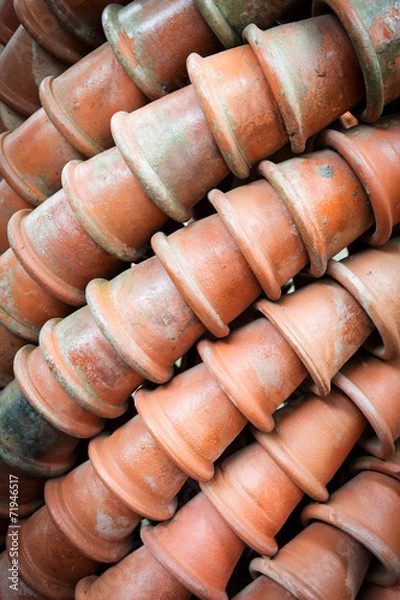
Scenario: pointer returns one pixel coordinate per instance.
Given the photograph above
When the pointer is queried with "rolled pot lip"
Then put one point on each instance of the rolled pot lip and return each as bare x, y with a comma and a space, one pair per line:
64, 122
130, 497
366, 54
253, 253
101, 307
83, 539
246, 530
218, 23
368, 539
217, 366
373, 463
175, 265
367, 174
182, 453
83, 587
383, 440
383, 320
31, 261
67, 377
179, 569
283, 576
107, 241
144, 172
44, 406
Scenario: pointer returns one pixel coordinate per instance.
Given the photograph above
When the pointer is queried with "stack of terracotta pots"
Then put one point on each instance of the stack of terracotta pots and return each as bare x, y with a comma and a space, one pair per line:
338, 336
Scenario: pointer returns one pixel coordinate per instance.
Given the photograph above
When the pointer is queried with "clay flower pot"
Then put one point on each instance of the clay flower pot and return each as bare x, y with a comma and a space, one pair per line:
366, 508
137, 470
390, 466
45, 29
46, 451
152, 43
23, 64
328, 71
28, 161
90, 515
254, 495
342, 564
367, 24
192, 419
8, 21
24, 591
304, 436
139, 575
245, 363
198, 547
371, 151
373, 282
48, 563
373, 385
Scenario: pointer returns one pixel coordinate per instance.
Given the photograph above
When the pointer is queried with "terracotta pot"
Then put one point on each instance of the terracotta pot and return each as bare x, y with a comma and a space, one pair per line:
209, 270
43, 241
374, 386
154, 331
153, 39
138, 575
163, 144
23, 64
323, 340
10, 202
238, 126
254, 495
370, 26
45, 452
40, 387
372, 152
326, 63
137, 470
390, 466
326, 224
90, 515
255, 211
8, 21
228, 18
24, 305
81, 18
311, 441
93, 387
366, 508
372, 277
28, 159
48, 562
45, 29
111, 205
20, 492
198, 547
23, 590
245, 365
342, 564
369, 591
192, 419
81, 101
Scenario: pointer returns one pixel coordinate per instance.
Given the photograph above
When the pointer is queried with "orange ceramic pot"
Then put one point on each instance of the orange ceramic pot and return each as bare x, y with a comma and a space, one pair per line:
366, 508
192, 419
369, 26
198, 547
137, 470
326, 63
23, 64
342, 564
254, 495
139, 575
28, 160
390, 466
46, 30
372, 277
